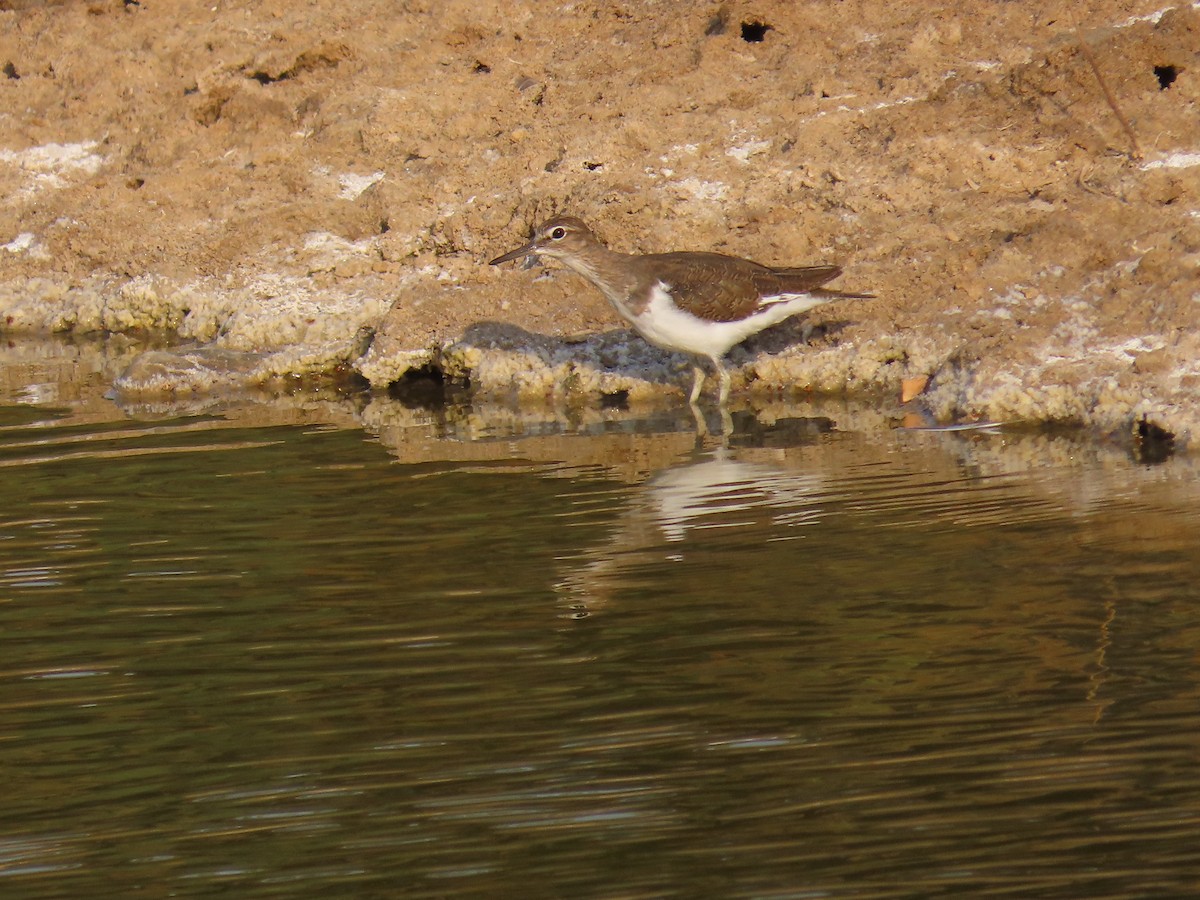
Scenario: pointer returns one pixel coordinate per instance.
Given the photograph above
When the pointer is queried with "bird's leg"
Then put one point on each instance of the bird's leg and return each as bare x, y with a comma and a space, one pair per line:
723, 397
701, 425
697, 383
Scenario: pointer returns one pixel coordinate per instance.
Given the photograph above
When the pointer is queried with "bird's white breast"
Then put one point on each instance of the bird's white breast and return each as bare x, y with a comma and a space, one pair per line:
666, 325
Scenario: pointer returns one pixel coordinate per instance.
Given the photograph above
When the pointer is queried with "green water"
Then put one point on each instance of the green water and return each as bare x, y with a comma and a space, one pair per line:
430, 661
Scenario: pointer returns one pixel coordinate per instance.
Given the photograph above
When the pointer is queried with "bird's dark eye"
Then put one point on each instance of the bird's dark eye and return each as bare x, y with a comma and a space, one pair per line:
558, 233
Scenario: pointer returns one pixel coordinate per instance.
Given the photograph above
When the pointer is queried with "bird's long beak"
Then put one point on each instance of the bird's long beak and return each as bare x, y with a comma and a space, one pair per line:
527, 250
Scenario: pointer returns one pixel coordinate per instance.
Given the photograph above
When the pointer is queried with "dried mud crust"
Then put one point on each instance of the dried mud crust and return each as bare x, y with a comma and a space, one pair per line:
275, 177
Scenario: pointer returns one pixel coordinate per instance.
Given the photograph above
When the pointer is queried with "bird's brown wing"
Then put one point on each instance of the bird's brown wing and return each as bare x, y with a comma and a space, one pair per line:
814, 276
726, 288
802, 280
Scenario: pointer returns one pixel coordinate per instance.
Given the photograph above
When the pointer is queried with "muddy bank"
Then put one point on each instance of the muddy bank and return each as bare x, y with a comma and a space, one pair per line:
274, 180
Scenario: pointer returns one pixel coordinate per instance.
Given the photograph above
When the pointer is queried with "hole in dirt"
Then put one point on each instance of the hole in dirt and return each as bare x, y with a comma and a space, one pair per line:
1166, 76
754, 32
10, 71
1152, 443
267, 78
424, 388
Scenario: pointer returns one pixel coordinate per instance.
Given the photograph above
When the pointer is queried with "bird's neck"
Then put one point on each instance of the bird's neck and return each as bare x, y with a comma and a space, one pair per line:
608, 270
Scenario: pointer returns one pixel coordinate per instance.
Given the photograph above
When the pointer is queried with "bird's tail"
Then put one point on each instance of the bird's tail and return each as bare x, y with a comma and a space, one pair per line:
806, 280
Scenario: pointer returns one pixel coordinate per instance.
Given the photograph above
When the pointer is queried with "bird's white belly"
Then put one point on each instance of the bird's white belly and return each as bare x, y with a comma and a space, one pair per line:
662, 323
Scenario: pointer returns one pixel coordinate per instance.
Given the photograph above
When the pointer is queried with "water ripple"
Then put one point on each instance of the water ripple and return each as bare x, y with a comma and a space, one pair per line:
278, 661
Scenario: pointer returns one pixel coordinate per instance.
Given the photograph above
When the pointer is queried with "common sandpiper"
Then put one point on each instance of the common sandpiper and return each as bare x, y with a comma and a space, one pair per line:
702, 304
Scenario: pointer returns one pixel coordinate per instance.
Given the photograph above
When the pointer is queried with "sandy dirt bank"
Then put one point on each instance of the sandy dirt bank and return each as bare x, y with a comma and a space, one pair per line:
275, 182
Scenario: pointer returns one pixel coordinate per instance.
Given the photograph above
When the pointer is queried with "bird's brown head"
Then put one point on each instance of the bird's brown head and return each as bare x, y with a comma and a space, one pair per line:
562, 236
